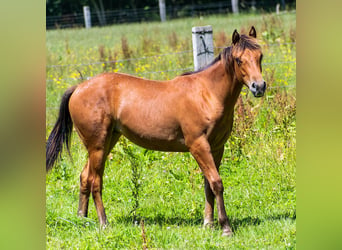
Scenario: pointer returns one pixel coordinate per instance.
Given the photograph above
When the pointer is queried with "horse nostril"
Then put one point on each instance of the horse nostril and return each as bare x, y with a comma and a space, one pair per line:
264, 86
253, 85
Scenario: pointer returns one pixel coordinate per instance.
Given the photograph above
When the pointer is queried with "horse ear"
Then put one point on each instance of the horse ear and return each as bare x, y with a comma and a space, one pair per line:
235, 37
252, 32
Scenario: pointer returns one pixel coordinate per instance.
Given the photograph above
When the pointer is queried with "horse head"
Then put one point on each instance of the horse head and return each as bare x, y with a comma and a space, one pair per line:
247, 57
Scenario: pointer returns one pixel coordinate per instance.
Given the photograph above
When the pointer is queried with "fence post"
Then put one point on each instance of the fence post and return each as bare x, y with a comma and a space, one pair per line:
87, 19
235, 6
202, 44
162, 10
277, 8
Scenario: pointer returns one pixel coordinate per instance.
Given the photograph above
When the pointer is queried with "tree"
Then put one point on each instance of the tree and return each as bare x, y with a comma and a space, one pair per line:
100, 12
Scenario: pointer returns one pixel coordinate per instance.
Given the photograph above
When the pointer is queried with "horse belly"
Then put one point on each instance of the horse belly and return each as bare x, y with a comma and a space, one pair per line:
161, 139
159, 145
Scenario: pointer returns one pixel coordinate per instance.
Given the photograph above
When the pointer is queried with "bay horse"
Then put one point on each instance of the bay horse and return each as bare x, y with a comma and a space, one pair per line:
190, 113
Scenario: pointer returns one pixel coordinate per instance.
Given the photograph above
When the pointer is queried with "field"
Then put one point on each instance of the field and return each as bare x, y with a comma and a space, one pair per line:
155, 199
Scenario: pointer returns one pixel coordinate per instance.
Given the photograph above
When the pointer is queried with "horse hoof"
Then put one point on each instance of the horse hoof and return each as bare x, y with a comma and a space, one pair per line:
208, 224
227, 233
104, 225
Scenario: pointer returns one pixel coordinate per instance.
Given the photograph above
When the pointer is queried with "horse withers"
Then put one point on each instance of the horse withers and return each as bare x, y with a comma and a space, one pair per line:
190, 113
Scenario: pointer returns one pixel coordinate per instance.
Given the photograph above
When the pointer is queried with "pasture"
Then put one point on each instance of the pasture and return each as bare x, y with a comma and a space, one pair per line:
156, 199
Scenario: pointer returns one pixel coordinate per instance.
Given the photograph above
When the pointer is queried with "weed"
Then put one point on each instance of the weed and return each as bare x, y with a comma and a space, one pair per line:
292, 34
146, 243
102, 56
173, 40
112, 58
126, 51
136, 169
67, 48
108, 61
220, 40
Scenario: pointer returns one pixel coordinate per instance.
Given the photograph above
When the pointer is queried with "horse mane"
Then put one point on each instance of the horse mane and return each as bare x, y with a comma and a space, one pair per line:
218, 58
245, 42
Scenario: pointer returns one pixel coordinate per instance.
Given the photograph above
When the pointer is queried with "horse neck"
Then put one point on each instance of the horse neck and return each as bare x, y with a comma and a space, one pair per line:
223, 82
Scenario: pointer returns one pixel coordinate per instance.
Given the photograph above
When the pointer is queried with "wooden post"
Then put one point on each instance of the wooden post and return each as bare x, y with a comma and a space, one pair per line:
235, 6
277, 8
87, 19
162, 10
202, 44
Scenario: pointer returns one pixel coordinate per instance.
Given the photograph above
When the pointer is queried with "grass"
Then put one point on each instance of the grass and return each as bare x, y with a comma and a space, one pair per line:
165, 190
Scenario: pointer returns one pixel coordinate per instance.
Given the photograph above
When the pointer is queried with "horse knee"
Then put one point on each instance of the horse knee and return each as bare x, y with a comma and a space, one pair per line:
217, 186
84, 183
96, 185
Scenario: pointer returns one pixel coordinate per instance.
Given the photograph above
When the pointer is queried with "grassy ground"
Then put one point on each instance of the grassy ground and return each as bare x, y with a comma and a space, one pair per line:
156, 199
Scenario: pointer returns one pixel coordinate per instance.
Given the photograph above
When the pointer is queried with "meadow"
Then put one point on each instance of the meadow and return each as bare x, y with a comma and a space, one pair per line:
156, 199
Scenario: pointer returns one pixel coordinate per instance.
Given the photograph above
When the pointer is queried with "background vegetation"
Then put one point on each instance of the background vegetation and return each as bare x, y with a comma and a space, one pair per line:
60, 7
156, 199
69, 13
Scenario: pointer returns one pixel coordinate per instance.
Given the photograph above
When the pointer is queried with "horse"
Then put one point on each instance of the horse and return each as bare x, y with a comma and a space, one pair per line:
191, 113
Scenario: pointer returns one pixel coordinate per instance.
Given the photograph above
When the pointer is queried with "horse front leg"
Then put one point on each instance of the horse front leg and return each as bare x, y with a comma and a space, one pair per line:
209, 204
200, 149
209, 195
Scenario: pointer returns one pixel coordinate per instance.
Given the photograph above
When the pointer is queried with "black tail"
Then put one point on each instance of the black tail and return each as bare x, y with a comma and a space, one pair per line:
61, 132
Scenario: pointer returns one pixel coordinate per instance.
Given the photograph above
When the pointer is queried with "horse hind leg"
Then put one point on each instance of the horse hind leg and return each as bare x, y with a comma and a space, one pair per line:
95, 181
91, 178
84, 192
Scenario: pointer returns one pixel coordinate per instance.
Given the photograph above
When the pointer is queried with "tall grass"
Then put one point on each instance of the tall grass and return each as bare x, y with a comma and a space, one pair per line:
155, 199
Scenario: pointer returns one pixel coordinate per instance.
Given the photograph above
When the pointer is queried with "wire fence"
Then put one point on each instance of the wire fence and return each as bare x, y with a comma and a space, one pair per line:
146, 57
158, 72
120, 60
152, 13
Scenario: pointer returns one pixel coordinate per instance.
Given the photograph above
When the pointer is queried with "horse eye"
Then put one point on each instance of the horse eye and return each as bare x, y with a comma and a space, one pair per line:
260, 62
238, 61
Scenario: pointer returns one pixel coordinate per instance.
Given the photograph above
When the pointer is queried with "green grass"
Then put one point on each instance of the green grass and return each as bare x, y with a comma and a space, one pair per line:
259, 164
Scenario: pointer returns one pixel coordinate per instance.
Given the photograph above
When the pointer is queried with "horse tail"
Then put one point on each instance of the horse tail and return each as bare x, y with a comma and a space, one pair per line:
61, 132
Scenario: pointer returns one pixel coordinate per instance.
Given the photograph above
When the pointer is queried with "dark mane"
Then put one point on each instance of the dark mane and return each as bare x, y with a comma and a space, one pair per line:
247, 42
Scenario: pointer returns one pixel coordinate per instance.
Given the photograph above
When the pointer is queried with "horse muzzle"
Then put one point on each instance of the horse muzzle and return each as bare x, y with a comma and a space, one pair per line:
258, 88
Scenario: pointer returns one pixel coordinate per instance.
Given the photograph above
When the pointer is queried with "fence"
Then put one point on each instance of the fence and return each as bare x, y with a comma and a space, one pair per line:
155, 56
152, 13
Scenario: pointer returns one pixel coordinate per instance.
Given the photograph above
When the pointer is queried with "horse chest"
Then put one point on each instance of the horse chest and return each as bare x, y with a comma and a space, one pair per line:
220, 132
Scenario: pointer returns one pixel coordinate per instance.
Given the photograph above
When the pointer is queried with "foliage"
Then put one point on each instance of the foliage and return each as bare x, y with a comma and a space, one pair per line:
59, 7
156, 199
66, 14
